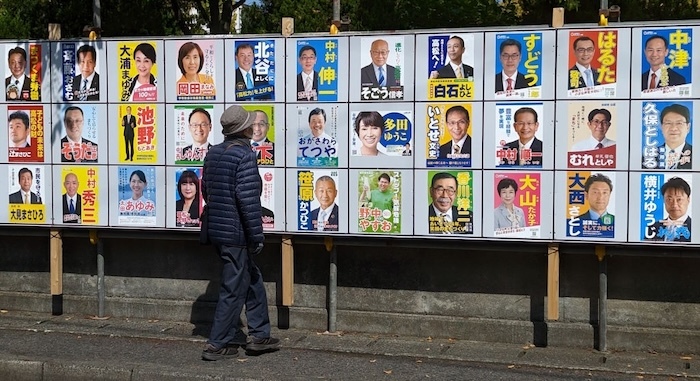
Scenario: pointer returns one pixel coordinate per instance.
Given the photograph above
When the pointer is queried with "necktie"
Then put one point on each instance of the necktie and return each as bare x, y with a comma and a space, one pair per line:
26, 198
307, 87
671, 160
446, 224
652, 81
599, 146
589, 78
320, 224
456, 148
249, 81
458, 72
71, 207
510, 84
83, 90
382, 80
255, 144
17, 82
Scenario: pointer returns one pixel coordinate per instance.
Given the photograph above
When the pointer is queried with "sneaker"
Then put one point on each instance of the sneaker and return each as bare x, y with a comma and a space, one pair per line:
210, 353
262, 345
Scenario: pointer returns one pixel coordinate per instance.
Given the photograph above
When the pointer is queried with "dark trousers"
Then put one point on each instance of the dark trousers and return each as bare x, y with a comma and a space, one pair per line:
241, 283
129, 143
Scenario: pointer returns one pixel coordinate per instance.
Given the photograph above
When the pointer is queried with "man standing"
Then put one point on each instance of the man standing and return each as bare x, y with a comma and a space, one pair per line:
71, 200
659, 75
379, 73
597, 190
675, 126
582, 74
599, 124
86, 85
19, 129
263, 147
129, 124
325, 217
527, 147
307, 79
232, 186
510, 78
457, 120
200, 127
442, 213
455, 68
24, 195
246, 76
74, 147
677, 226
17, 84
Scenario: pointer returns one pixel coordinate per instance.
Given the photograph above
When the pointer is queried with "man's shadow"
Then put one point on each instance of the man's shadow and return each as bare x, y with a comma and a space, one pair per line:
203, 309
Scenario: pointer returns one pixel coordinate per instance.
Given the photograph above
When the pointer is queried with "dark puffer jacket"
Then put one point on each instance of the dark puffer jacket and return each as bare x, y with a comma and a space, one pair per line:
232, 184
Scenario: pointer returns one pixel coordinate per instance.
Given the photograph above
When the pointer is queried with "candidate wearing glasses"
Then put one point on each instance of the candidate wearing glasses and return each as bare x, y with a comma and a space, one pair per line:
675, 126
527, 146
583, 74
460, 144
200, 127
307, 79
599, 124
443, 215
379, 73
510, 78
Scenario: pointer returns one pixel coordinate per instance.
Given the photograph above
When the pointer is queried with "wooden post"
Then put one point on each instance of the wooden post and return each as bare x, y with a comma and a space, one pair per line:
287, 271
557, 17
56, 244
287, 26
54, 32
553, 282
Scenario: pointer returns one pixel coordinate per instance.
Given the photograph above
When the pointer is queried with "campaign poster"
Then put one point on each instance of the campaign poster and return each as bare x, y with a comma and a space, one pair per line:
667, 135
317, 70
23, 73
666, 63
592, 63
518, 66
196, 74
78, 143
383, 68
263, 140
317, 135
451, 202
188, 197
255, 70
590, 205
449, 135
81, 71
517, 203
138, 70
267, 197
381, 133
379, 202
519, 135
79, 199
137, 195
27, 189
591, 133
451, 67
665, 207
26, 133
138, 138
193, 128
317, 202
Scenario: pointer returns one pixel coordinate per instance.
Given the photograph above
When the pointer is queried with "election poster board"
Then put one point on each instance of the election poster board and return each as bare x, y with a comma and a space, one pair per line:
381, 68
315, 135
320, 66
80, 195
136, 71
27, 72
381, 135
321, 200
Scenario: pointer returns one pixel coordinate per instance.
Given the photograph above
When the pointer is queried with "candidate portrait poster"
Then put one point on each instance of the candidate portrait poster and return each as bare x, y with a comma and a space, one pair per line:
667, 136
136, 190
317, 135
665, 207
591, 134
517, 204
518, 66
23, 73
255, 69
27, 187
451, 61
451, 208
25, 133
590, 204
317, 200
188, 197
196, 72
449, 135
592, 63
193, 132
80, 126
81, 71
137, 77
317, 70
139, 127
381, 133
263, 140
267, 197
80, 196
383, 73
519, 135
666, 63
379, 202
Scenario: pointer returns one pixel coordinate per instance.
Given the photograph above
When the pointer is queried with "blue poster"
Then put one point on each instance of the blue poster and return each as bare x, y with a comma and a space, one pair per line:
667, 135
317, 70
518, 65
255, 70
666, 62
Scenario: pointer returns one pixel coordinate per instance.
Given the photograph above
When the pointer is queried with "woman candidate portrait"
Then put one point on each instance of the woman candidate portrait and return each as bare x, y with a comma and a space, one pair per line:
142, 87
507, 215
187, 206
190, 60
138, 183
369, 127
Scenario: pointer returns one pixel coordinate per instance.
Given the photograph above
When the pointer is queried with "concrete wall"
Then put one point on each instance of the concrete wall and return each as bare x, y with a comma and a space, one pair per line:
463, 290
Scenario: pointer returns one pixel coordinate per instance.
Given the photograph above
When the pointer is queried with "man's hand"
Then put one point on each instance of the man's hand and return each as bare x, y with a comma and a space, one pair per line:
256, 249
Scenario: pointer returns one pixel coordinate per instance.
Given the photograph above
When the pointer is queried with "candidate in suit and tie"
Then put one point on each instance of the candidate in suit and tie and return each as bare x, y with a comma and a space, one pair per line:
19, 130
325, 217
443, 215
659, 75
675, 126
307, 79
246, 75
460, 144
17, 84
24, 195
455, 68
510, 55
582, 74
526, 126
677, 225
129, 124
74, 147
263, 147
72, 205
86, 85
378, 73
597, 190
